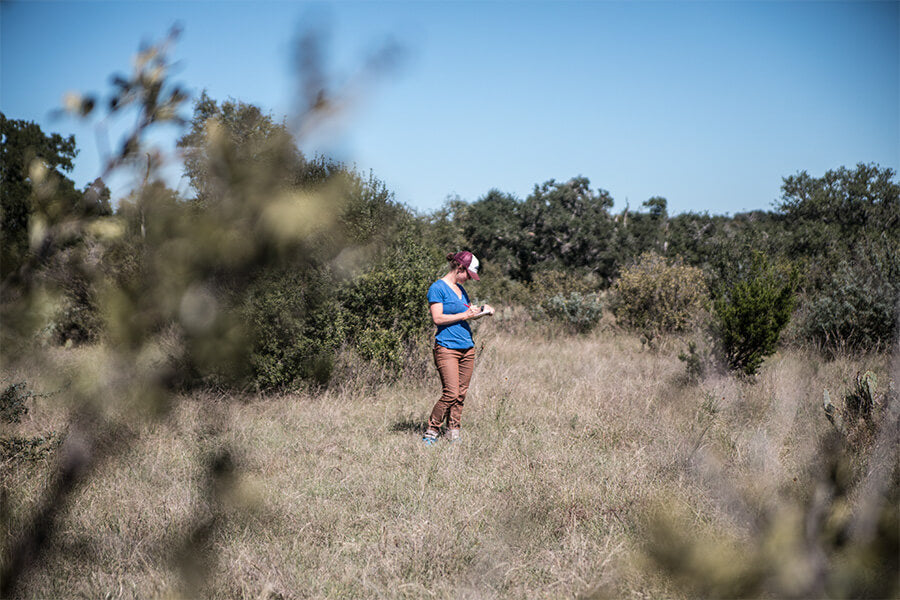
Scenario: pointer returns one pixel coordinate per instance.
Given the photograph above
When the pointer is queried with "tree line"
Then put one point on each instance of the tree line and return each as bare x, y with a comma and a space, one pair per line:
358, 280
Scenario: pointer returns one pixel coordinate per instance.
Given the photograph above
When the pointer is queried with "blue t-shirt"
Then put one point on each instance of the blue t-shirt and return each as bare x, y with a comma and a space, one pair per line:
456, 336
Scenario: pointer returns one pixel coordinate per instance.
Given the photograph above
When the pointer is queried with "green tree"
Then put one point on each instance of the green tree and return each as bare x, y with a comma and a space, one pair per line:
642, 232
656, 207
653, 235
25, 152
569, 225
845, 231
371, 216
688, 236
95, 199
841, 206
752, 312
232, 141
492, 225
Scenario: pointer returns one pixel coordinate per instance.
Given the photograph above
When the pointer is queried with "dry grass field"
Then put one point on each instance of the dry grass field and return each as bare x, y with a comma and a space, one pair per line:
570, 446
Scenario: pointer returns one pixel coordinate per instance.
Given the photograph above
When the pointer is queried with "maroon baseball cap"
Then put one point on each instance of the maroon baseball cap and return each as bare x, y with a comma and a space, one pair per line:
469, 262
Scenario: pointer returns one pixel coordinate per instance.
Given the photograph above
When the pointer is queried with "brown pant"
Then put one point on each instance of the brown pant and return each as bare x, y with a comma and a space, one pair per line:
455, 368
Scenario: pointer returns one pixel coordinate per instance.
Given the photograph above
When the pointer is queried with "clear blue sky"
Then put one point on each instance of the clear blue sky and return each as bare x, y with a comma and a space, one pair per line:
708, 104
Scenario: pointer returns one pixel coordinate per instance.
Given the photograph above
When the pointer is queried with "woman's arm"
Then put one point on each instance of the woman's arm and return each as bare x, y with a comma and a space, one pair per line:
439, 318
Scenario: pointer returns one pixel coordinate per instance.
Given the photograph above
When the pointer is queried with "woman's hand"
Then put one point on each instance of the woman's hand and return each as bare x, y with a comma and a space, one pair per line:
479, 311
473, 311
439, 318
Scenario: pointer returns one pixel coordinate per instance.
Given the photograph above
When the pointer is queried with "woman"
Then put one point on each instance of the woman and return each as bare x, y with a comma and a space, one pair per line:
454, 348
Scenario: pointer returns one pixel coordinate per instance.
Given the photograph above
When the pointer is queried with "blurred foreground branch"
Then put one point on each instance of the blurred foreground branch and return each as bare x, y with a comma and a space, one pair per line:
168, 278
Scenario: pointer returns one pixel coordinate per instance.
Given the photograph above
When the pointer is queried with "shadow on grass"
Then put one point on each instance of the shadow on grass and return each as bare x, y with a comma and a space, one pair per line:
409, 426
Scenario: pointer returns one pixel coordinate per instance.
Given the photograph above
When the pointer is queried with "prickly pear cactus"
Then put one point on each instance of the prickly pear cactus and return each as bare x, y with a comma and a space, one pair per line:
856, 418
871, 382
860, 401
834, 415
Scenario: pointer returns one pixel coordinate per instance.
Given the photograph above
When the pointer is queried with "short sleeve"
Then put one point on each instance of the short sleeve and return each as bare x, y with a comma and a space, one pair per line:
434, 293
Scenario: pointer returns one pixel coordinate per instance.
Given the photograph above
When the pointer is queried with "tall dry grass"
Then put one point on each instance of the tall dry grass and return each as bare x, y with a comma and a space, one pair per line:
569, 443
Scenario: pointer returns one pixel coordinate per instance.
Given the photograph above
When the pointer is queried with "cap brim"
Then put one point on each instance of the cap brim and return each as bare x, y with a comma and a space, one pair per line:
473, 275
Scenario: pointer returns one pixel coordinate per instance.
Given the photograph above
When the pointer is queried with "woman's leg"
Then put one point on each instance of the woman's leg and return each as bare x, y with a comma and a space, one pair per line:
466, 367
447, 363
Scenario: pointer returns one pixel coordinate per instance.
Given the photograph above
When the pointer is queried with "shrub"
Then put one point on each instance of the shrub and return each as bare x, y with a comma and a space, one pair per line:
77, 320
29, 448
12, 402
298, 327
76, 316
856, 307
657, 296
386, 306
566, 298
751, 313
381, 346
576, 311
